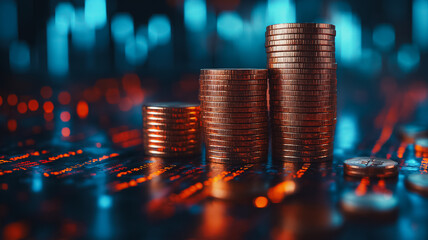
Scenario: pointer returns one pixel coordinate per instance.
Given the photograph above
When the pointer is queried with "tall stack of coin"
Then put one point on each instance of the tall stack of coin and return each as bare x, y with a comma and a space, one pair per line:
302, 81
234, 114
171, 129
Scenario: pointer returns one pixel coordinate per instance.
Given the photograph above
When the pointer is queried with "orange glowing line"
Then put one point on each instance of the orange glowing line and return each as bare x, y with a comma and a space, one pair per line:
387, 129
402, 149
134, 170
133, 183
362, 187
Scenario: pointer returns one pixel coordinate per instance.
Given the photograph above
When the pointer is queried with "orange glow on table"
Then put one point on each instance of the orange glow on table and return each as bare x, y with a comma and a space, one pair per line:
12, 125
82, 109
33, 105
46, 92
64, 98
65, 132
260, 202
65, 116
48, 107
12, 99
22, 107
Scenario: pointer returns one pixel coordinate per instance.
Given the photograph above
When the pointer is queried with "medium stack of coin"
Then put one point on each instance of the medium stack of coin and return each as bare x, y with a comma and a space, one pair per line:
234, 114
171, 129
302, 83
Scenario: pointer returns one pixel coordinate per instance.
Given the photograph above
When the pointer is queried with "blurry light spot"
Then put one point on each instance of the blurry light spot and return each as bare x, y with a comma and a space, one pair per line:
37, 183
112, 95
22, 107
46, 92
420, 23
15, 231
48, 116
65, 116
64, 98
125, 104
19, 56
258, 18
12, 125
98, 145
105, 201
347, 131
65, 132
8, 22
48, 107
260, 202
64, 17
33, 105
230, 25
57, 50
408, 57
159, 30
83, 35
384, 36
12, 99
122, 27
281, 11
136, 50
82, 109
195, 14
96, 13
1, 101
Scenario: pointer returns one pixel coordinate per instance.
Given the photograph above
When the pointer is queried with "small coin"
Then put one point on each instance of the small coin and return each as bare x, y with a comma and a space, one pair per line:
235, 114
293, 103
301, 60
234, 104
283, 97
234, 132
298, 42
304, 135
208, 124
294, 129
233, 77
302, 141
418, 183
234, 88
233, 99
301, 54
303, 123
230, 71
171, 137
238, 138
171, 107
301, 25
421, 144
300, 36
237, 120
300, 31
370, 167
303, 65
234, 109
294, 48
230, 93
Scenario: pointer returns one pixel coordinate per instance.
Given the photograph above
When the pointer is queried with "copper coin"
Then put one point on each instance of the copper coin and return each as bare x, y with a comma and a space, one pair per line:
234, 104
330, 93
283, 87
237, 149
300, 31
173, 125
294, 129
294, 48
418, 183
298, 42
296, 147
329, 109
283, 97
315, 123
217, 142
233, 77
225, 71
219, 87
235, 132
222, 153
171, 142
301, 60
301, 153
289, 104
233, 99
208, 124
303, 65
235, 114
171, 115
204, 83
171, 154
302, 141
238, 138
370, 167
171, 137
301, 25
172, 107
421, 144
172, 132
301, 54
170, 120
304, 36
234, 93
304, 135
166, 149
215, 159
301, 71
234, 110
303, 82
287, 158
237, 120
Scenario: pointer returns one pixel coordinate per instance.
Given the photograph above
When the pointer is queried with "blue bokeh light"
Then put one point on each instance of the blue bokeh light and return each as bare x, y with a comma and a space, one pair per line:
408, 57
64, 16
136, 50
384, 36
19, 56
57, 49
122, 27
229, 25
83, 35
420, 23
8, 22
281, 11
195, 14
96, 13
159, 30
105, 201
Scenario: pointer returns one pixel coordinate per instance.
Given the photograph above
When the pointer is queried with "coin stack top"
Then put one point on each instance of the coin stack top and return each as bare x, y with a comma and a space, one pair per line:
171, 129
302, 85
234, 114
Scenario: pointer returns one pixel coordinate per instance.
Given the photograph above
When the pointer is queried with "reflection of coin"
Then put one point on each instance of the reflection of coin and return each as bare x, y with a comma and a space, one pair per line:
417, 183
370, 167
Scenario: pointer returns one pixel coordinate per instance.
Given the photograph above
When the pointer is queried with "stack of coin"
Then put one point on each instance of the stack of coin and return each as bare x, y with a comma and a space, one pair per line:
171, 129
234, 114
302, 82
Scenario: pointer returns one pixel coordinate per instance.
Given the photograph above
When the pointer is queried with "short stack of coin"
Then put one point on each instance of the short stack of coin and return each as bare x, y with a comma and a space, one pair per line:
302, 82
234, 114
171, 129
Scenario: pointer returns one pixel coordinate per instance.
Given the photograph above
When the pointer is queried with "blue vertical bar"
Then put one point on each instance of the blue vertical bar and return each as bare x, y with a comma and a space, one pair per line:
57, 47
195, 15
420, 23
96, 13
8, 22
19, 56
